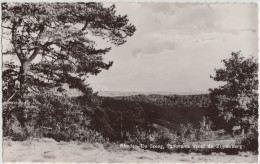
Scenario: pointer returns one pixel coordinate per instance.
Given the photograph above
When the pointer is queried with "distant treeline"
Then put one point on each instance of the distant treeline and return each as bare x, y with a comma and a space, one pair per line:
200, 101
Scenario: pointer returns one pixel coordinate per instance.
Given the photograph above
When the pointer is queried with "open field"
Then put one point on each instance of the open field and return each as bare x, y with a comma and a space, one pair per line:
48, 150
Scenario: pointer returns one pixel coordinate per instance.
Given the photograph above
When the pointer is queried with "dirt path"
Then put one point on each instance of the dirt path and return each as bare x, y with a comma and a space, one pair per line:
48, 150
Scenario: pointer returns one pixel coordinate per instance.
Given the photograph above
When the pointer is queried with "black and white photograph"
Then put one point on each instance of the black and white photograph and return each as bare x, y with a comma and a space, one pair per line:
129, 82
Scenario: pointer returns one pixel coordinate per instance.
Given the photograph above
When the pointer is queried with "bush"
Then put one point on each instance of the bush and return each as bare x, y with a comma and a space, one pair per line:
15, 122
164, 138
48, 115
13, 129
250, 142
231, 151
185, 132
155, 140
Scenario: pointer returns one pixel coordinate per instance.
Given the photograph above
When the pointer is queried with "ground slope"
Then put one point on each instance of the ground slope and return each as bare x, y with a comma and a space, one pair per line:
48, 150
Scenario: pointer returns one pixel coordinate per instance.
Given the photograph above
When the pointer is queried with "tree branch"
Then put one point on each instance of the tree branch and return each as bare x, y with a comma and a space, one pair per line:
35, 53
14, 43
11, 97
7, 27
85, 26
37, 49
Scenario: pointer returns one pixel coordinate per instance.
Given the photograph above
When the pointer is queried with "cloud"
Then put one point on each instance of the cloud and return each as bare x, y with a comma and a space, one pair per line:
249, 30
154, 48
177, 45
136, 51
164, 8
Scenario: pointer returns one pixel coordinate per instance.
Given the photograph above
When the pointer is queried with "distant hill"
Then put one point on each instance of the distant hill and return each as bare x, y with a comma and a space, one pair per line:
200, 100
165, 110
126, 93
75, 93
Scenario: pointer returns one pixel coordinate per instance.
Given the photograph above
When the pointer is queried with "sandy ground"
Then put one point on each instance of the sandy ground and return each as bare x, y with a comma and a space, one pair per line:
48, 150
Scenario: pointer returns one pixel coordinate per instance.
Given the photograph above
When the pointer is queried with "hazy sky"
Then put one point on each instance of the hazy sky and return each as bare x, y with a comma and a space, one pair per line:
177, 46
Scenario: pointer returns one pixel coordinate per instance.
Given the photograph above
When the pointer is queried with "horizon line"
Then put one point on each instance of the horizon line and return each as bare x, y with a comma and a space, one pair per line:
148, 91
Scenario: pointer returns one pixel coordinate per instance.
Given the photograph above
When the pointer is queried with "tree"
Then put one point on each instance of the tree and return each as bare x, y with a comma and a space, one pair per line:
101, 123
55, 43
236, 102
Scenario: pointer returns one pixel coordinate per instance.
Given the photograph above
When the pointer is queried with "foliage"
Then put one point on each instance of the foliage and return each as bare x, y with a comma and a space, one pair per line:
204, 132
124, 117
149, 113
101, 123
136, 122
15, 123
165, 138
156, 139
235, 103
250, 143
185, 131
48, 115
55, 43
199, 101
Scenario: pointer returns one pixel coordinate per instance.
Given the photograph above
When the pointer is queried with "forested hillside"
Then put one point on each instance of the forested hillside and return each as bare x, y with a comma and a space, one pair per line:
201, 100
128, 113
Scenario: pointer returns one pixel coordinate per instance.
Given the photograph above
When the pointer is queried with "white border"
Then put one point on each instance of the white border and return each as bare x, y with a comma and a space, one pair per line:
125, 1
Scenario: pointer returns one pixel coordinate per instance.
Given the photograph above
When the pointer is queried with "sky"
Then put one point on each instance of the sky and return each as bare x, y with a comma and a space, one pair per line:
177, 46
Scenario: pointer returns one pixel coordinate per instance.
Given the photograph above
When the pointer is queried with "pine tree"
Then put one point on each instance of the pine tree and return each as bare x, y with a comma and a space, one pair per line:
54, 45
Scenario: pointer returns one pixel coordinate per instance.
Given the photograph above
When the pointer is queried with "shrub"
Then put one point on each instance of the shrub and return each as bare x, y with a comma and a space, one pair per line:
164, 138
231, 151
206, 151
185, 132
155, 140
15, 122
250, 142
13, 129
48, 115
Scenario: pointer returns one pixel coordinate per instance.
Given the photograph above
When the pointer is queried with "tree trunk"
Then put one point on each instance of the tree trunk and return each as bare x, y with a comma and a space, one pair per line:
242, 129
23, 73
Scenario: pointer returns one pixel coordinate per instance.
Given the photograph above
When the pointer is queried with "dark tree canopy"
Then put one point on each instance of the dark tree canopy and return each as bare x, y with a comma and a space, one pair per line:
236, 101
60, 37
